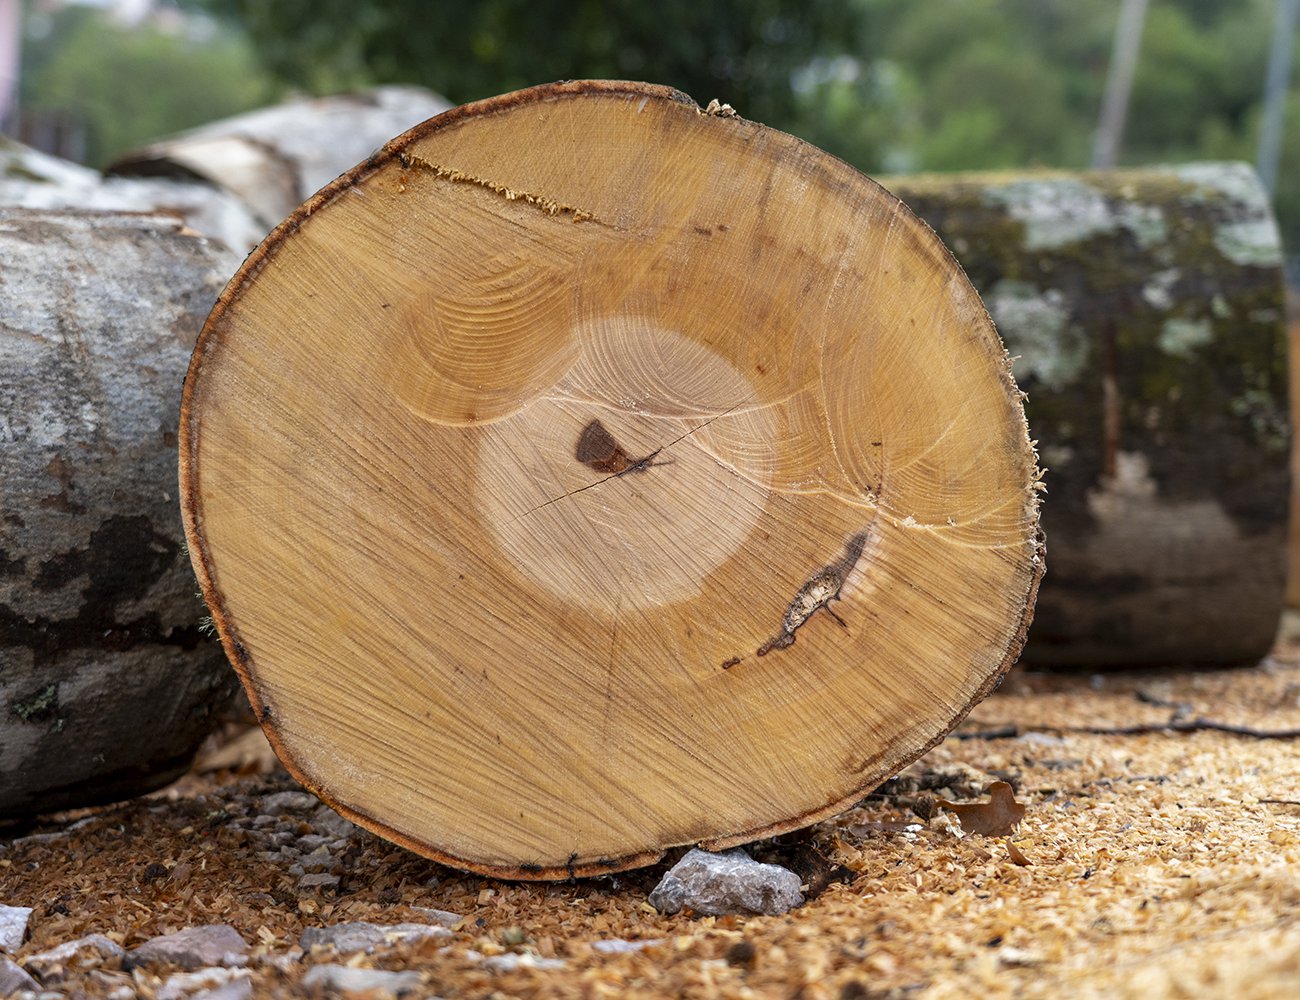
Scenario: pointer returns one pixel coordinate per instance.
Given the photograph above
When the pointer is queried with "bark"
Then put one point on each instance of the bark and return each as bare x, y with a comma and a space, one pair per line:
273, 158
1145, 310
589, 474
30, 179
106, 684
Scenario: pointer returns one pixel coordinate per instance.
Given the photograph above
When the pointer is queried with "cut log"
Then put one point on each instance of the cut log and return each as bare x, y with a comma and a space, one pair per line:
588, 474
107, 686
1145, 308
272, 158
31, 179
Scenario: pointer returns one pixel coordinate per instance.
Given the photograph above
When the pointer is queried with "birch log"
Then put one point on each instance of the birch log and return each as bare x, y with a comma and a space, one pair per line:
1145, 310
106, 684
273, 158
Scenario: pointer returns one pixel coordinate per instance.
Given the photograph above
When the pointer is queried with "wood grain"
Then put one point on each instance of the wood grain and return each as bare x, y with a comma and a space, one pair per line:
586, 474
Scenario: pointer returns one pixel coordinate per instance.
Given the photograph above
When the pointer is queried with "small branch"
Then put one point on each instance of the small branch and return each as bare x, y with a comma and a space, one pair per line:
1172, 726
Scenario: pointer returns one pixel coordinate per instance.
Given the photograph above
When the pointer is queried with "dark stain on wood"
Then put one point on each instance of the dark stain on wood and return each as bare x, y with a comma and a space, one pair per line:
728, 664
597, 449
822, 587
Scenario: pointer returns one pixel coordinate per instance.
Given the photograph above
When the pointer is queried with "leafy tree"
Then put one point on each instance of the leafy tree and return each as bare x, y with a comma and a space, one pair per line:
127, 86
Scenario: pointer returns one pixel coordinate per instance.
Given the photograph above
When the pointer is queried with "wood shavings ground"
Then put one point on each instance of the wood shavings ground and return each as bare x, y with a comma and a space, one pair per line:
1153, 865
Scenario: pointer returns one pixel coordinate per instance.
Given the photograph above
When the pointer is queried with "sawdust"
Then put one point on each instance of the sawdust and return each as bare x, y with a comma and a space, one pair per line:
1159, 864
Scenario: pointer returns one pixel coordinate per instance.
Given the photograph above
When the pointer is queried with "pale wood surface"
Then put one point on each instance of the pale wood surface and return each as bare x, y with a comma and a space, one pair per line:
588, 474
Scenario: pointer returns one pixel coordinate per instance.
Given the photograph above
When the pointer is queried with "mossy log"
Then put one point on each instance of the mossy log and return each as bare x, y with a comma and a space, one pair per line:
588, 474
273, 158
106, 684
1145, 312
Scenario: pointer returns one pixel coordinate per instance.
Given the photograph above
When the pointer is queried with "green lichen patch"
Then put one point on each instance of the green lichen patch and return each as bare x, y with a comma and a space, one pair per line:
40, 706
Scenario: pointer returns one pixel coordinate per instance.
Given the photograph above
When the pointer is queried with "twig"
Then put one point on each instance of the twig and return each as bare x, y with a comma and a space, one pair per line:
1174, 725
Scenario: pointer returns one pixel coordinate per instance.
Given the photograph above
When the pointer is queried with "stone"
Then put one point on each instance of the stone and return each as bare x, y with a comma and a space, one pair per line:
729, 882
361, 936
236, 989
511, 961
331, 824
186, 984
279, 803
319, 881
345, 979
14, 978
618, 946
444, 917
54, 965
13, 926
193, 948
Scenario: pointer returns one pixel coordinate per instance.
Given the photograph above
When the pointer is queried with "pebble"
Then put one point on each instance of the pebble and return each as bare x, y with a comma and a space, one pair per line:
185, 984
13, 926
279, 803
345, 979
512, 960
618, 946
236, 989
193, 948
361, 936
444, 917
13, 978
318, 880
729, 882
53, 966
331, 824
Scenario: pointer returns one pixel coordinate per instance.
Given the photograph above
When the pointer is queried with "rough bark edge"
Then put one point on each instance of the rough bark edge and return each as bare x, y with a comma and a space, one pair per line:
192, 512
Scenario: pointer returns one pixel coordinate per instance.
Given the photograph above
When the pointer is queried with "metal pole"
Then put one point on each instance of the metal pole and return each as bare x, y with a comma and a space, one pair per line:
1276, 84
1119, 82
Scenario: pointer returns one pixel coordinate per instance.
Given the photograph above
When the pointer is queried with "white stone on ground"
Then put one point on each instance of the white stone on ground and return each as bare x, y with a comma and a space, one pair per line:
729, 882
346, 979
55, 964
13, 926
193, 948
361, 936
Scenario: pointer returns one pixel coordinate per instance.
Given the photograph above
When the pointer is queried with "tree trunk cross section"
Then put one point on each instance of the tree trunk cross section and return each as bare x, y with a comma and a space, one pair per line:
508, 462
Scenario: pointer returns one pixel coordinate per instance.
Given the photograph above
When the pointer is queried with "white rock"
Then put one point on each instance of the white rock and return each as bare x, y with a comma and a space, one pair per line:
731, 882
193, 948
184, 984
13, 926
349, 980
13, 978
617, 946
361, 936
511, 961
53, 965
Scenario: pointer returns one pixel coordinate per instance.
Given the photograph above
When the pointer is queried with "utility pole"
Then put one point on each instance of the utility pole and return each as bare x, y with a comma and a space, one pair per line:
1276, 84
1119, 83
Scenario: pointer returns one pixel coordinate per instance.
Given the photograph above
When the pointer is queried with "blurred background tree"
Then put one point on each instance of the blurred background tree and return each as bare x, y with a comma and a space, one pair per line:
120, 84
889, 85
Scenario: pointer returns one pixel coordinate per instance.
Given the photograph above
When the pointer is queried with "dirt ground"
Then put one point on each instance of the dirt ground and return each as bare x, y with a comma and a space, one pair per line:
1159, 857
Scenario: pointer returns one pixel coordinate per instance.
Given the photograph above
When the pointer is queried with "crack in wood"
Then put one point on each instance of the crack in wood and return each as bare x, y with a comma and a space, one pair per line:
548, 206
822, 587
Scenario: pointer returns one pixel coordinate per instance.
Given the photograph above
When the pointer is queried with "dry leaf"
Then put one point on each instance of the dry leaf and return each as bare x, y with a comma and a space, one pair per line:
1016, 854
997, 817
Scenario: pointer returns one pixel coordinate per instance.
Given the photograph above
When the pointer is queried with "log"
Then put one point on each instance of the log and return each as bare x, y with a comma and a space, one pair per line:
273, 158
1145, 310
107, 686
31, 179
587, 474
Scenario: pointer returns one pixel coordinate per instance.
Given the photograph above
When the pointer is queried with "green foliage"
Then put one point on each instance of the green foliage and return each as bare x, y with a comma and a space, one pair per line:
127, 86
889, 85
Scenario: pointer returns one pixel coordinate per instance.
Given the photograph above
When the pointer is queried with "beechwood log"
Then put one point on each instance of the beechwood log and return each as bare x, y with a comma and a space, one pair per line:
588, 473
1145, 311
